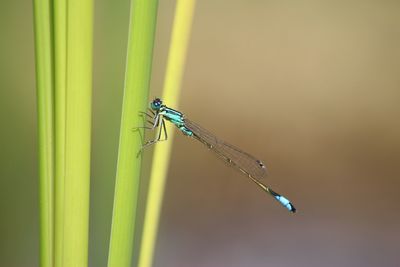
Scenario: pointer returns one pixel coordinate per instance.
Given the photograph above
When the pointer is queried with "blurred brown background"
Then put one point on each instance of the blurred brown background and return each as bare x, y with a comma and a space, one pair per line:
310, 87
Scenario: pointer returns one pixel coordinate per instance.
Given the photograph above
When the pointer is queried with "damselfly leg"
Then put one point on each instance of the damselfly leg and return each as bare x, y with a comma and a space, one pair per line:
154, 123
162, 129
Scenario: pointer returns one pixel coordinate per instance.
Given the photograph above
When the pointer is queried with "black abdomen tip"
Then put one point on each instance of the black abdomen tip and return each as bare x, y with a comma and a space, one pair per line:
292, 208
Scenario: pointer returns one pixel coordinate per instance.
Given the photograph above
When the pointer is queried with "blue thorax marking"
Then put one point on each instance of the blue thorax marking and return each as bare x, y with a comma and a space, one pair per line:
172, 115
176, 118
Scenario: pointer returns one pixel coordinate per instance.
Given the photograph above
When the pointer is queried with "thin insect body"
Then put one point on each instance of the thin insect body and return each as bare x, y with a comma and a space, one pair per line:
246, 163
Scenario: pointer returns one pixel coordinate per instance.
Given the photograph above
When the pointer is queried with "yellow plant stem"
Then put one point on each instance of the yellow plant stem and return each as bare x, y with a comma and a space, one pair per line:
175, 69
137, 78
45, 110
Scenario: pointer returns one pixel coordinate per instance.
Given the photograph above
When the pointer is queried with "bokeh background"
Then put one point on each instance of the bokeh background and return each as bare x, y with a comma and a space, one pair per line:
310, 87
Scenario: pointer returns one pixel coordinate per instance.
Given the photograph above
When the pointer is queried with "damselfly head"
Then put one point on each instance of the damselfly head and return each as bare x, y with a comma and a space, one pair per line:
156, 104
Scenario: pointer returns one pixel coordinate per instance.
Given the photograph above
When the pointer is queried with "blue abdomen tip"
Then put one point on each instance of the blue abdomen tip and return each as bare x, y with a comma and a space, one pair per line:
286, 203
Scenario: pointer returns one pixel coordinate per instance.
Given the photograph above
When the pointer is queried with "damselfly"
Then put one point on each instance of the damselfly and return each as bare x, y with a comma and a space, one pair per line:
246, 163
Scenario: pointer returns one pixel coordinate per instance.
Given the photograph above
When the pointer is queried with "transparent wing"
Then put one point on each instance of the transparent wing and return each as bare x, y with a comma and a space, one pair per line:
231, 154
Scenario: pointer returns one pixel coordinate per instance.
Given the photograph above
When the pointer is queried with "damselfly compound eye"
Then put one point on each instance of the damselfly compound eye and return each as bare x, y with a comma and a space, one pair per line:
156, 104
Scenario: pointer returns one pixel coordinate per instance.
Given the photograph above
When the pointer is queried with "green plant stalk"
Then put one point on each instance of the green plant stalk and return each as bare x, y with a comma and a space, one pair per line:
45, 110
172, 86
143, 18
60, 72
77, 132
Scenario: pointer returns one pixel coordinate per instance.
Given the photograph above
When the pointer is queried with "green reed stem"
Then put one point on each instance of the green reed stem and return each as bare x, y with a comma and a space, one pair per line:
137, 78
44, 85
60, 74
79, 35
